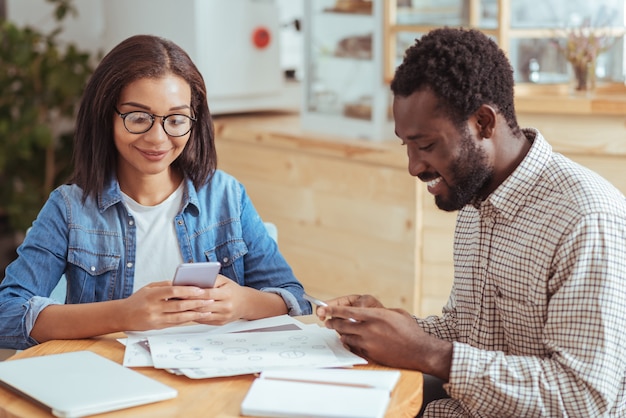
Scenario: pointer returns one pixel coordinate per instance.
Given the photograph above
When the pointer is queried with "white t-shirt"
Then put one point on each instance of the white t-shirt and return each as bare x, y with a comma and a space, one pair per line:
158, 253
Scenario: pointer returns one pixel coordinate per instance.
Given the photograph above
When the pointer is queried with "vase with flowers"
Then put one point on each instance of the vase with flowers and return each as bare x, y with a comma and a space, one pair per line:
581, 46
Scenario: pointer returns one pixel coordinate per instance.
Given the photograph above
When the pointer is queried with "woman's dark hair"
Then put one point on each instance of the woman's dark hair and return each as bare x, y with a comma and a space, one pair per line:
464, 69
140, 56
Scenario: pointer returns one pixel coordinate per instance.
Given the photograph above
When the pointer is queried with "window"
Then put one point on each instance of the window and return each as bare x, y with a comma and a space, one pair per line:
527, 30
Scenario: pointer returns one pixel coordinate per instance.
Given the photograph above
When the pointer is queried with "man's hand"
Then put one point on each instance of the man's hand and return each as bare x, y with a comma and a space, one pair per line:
388, 336
363, 301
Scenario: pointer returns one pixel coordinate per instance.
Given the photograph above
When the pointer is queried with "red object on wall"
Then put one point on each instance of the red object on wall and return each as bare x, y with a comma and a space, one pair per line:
261, 37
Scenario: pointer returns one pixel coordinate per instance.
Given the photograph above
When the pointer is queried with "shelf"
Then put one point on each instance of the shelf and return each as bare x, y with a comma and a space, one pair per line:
349, 12
523, 30
344, 92
608, 100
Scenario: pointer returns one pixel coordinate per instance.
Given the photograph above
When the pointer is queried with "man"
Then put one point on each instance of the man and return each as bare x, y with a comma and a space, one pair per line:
536, 322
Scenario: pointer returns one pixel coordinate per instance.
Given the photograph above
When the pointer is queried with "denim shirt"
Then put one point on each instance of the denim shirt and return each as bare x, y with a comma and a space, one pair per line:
94, 243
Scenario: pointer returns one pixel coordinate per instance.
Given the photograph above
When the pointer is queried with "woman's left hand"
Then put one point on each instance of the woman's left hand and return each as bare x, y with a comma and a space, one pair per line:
226, 300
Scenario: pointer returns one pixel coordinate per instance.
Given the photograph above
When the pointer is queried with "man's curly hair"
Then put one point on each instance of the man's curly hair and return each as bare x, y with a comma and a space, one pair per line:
464, 68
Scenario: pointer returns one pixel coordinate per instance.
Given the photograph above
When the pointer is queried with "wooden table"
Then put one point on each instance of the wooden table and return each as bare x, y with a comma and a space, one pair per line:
215, 397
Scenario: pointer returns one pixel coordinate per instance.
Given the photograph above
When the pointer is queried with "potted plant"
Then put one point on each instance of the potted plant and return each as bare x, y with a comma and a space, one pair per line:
581, 47
41, 81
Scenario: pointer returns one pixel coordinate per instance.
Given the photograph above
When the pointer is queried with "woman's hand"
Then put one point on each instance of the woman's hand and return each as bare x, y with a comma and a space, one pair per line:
160, 305
227, 301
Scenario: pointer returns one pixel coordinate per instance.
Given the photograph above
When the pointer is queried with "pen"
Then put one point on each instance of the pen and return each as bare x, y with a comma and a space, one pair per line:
314, 300
320, 302
322, 382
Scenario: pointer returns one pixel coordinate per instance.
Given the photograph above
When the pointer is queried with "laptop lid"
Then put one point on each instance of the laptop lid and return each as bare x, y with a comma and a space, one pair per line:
80, 383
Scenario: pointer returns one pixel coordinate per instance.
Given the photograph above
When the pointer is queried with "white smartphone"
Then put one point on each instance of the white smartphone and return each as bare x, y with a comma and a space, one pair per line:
201, 274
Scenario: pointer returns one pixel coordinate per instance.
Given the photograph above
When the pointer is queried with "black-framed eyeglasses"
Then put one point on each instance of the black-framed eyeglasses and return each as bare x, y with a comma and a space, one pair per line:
138, 122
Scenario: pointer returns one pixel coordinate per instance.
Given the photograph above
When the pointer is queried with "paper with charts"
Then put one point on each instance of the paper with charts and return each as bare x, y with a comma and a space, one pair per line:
273, 349
243, 348
137, 352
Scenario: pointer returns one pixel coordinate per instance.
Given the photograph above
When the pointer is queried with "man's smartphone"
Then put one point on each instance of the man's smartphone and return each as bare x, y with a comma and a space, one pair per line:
201, 274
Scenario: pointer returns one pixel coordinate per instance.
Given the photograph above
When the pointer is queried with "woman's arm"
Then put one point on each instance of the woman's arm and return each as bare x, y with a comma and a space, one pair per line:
155, 306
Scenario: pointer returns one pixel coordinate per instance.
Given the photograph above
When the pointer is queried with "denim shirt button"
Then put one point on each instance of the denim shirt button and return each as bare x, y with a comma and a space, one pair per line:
180, 222
129, 265
225, 260
92, 268
131, 222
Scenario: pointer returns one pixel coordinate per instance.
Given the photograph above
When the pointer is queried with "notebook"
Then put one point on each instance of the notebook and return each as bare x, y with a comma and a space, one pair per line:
321, 393
80, 383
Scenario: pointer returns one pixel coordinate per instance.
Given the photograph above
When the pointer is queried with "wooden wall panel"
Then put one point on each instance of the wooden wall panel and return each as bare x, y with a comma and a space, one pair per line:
352, 220
345, 224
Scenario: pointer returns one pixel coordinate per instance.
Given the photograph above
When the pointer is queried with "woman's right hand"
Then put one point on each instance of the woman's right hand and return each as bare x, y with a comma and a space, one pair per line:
161, 305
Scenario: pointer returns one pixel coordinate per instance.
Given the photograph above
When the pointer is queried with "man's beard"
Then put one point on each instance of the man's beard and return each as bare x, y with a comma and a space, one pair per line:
471, 175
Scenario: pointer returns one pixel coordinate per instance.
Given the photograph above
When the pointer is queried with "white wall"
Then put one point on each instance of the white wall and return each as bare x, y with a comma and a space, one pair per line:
215, 33
85, 30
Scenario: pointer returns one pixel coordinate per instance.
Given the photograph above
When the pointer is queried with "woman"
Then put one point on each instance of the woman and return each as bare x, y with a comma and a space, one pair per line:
144, 197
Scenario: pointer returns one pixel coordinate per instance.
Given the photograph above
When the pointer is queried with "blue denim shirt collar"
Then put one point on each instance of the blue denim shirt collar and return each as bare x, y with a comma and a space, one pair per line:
112, 194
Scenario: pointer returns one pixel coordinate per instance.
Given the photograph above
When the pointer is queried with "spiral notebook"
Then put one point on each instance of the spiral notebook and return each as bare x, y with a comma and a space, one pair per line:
80, 383
320, 393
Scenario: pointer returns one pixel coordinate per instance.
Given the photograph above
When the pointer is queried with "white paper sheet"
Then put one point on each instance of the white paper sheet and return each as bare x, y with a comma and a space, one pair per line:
343, 358
138, 355
250, 349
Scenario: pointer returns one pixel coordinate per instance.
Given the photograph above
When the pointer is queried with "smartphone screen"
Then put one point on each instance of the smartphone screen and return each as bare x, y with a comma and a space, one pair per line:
201, 274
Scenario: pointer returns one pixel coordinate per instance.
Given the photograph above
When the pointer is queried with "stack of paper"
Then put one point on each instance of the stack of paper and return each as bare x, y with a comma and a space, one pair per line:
241, 347
320, 393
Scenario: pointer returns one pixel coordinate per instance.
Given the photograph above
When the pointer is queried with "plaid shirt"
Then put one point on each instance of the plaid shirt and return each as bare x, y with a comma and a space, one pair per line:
537, 313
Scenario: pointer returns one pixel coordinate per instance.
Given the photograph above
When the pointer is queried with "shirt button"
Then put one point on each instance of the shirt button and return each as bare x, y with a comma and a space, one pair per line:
225, 260
129, 265
180, 222
92, 268
131, 222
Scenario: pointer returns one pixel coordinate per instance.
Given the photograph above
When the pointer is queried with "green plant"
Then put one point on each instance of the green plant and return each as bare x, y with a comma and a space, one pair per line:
41, 80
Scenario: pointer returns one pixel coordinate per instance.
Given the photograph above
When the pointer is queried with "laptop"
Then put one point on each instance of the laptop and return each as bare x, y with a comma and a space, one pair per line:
80, 383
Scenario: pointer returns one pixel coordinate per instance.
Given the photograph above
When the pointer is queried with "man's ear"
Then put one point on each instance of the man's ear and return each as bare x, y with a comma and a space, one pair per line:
486, 120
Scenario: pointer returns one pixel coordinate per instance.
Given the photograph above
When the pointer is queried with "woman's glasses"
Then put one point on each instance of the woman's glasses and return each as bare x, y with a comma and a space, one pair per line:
138, 122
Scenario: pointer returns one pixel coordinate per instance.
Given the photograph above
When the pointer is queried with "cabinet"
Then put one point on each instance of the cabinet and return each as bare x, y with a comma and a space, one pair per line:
344, 89
526, 29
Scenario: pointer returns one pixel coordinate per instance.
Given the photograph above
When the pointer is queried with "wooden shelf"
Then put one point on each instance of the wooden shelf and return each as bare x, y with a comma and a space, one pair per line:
596, 104
609, 99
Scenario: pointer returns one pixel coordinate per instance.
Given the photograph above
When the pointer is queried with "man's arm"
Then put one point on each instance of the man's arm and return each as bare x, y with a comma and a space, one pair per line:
579, 366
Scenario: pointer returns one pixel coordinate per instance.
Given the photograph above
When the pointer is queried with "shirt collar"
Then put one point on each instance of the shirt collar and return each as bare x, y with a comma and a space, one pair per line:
112, 194
505, 199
